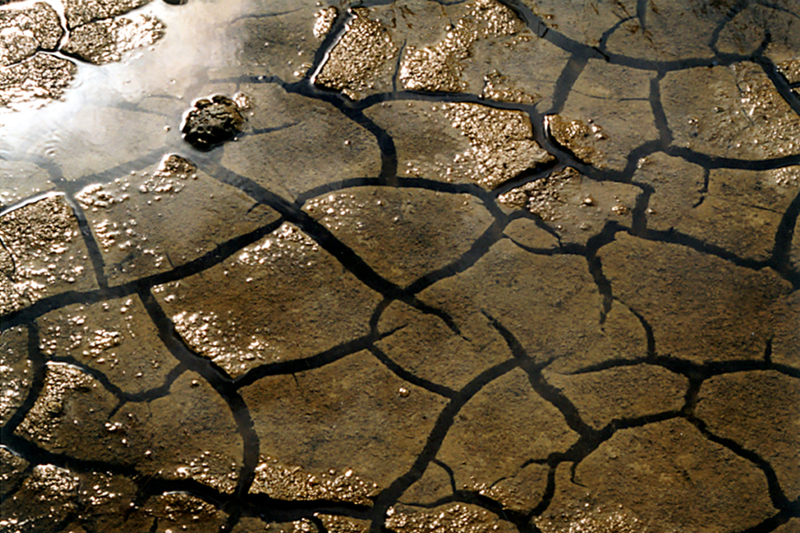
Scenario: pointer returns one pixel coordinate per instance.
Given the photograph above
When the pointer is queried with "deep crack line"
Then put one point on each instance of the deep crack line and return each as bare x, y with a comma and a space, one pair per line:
779, 499
519, 520
784, 242
354, 113
540, 386
410, 377
38, 363
401, 183
444, 421
321, 235
714, 162
92, 247
659, 115
309, 363
351, 261
779, 82
478, 250
216, 378
213, 257
572, 71
681, 239
734, 10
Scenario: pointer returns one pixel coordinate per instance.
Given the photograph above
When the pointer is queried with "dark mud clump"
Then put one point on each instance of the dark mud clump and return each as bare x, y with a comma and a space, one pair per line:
212, 122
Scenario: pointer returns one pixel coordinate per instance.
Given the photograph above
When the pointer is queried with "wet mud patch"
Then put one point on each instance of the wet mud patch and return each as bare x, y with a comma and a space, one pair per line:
370, 424
447, 519
292, 483
311, 140
44, 502
131, 218
12, 468
137, 434
363, 53
42, 254
287, 268
771, 394
727, 306
80, 12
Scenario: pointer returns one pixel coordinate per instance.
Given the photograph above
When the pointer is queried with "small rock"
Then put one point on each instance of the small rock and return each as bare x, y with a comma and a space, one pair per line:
212, 122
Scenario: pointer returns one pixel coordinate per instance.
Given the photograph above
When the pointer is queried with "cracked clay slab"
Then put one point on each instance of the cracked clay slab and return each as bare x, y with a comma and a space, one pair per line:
360, 58
731, 112
39, 79
664, 473
374, 423
17, 371
757, 410
462, 141
595, 122
716, 311
416, 237
576, 207
287, 272
24, 32
44, 253
411, 266
80, 12
106, 40
188, 433
562, 322
292, 135
115, 337
502, 428
130, 218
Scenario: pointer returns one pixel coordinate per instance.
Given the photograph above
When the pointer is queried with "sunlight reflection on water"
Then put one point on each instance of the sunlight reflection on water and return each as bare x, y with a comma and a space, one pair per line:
199, 42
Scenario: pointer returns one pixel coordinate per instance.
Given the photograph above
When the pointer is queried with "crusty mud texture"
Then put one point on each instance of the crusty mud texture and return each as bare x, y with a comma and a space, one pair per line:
400, 266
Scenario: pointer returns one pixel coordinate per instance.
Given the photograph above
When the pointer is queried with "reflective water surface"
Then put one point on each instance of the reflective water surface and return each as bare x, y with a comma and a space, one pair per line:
399, 265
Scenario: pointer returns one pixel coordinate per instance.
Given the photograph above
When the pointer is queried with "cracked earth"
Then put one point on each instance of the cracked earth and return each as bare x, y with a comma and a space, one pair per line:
399, 266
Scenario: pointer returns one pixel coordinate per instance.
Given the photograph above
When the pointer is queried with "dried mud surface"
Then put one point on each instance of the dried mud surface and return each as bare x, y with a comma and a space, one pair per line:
400, 266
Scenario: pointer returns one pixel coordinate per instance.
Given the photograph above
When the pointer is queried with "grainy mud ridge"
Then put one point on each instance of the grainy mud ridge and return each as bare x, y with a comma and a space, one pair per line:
409, 266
